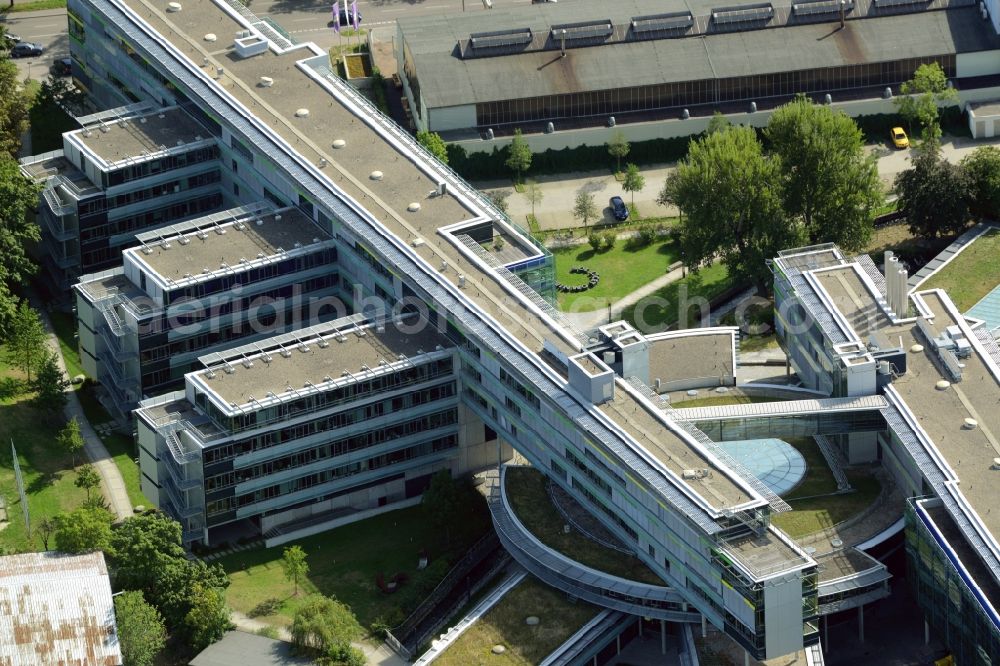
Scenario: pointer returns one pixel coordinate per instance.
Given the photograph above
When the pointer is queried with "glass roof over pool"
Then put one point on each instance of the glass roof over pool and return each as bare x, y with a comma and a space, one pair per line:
988, 309
776, 463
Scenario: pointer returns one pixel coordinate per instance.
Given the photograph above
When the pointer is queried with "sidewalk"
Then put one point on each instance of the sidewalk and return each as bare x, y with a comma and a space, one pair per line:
112, 483
586, 321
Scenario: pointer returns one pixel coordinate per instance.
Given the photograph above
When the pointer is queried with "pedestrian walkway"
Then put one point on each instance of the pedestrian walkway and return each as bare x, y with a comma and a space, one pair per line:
586, 321
112, 483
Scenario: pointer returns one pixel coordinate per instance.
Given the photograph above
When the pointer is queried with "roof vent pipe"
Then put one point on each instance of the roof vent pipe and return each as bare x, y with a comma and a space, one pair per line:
611, 121
843, 9
685, 114
562, 43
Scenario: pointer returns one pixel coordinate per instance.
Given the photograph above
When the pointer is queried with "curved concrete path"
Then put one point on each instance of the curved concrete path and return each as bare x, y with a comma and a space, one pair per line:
112, 483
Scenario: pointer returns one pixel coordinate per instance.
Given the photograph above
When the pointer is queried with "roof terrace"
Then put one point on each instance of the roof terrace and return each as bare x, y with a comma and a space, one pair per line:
230, 247
344, 351
691, 354
141, 136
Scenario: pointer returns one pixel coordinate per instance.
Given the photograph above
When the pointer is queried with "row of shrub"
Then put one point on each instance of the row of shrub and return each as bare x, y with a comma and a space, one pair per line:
492, 165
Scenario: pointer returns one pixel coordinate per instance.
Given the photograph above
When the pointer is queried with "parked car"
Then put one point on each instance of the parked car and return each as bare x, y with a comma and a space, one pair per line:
345, 17
619, 209
62, 67
899, 138
26, 50
11, 38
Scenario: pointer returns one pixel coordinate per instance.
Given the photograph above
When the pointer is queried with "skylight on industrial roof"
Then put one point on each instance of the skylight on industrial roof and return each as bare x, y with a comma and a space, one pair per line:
819, 7
662, 22
587, 30
743, 14
500, 39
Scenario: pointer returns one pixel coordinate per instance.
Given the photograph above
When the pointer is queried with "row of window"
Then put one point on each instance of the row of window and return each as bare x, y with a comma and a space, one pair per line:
241, 447
343, 471
508, 380
101, 204
166, 163
705, 91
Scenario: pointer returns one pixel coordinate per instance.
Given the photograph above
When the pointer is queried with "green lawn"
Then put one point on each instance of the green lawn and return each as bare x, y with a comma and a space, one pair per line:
47, 471
972, 274
34, 6
819, 479
753, 343
65, 328
623, 269
663, 308
345, 562
504, 624
530, 502
812, 515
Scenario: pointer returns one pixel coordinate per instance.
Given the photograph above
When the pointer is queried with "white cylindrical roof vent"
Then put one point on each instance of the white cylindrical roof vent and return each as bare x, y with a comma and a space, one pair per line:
302, 113
173, 6
376, 175
339, 143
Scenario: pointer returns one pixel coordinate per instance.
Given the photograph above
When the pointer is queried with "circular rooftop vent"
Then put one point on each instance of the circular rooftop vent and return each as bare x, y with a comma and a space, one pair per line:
916, 349
302, 113
339, 143
173, 6
413, 207
376, 175
942, 385
970, 424
210, 37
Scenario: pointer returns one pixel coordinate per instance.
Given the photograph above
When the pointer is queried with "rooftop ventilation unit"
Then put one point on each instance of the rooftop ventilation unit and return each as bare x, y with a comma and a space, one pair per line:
166, 245
220, 230
202, 234
820, 7
303, 347
763, 13
501, 39
147, 250
183, 240
285, 353
322, 343
642, 25
269, 394
266, 358
247, 363
228, 368
601, 29
210, 374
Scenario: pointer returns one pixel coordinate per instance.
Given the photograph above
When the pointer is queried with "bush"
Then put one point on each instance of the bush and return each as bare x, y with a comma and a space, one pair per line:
608, 239
595, 240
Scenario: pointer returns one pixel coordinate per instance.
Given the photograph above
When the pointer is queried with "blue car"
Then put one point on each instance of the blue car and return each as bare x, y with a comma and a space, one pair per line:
619, 209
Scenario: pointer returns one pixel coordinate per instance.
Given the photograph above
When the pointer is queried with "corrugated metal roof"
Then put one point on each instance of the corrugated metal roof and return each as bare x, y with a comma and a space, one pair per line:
57, 609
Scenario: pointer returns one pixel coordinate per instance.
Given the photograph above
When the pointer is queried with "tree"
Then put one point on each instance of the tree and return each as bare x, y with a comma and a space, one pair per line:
83, 531
142, 545
434, 144
982, 169
87, 478
26, 340
44, 529
141, 632
634, 181
499, 199
293, 563
829, 185
584, 207
717, 123
70, 439
534, 194
920, 97
730, 194
50, 384
442, 501
519, 156
18, 230
208, 618
933, 194
13, 110
618, 148
322, 623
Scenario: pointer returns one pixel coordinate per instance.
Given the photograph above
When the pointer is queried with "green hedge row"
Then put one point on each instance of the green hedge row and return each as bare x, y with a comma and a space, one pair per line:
490, 166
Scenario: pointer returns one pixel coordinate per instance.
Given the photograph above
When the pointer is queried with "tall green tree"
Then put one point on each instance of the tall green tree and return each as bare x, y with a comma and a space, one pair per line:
830, 186
618, 147
13, 109
634, 181
518, 156
141, 632
933, 194
442, 502
50, 384
83, 531
26, 340
142, 545
731, 197
70, 439
434, 144
584, 207
44, 529
920, 97
982, 169
322, 623
87, 478
18, 230
207, 618
294, 565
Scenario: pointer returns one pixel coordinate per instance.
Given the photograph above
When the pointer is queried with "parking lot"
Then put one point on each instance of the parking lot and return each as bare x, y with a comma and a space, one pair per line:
47, 28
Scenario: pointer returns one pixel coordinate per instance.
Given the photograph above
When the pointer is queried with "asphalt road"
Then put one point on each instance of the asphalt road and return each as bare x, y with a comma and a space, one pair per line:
47, 28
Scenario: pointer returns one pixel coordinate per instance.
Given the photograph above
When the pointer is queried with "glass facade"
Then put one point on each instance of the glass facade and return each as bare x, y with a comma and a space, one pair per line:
706, 91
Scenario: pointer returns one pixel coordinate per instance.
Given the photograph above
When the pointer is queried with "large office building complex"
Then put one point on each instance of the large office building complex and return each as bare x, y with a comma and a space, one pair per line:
445, 351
